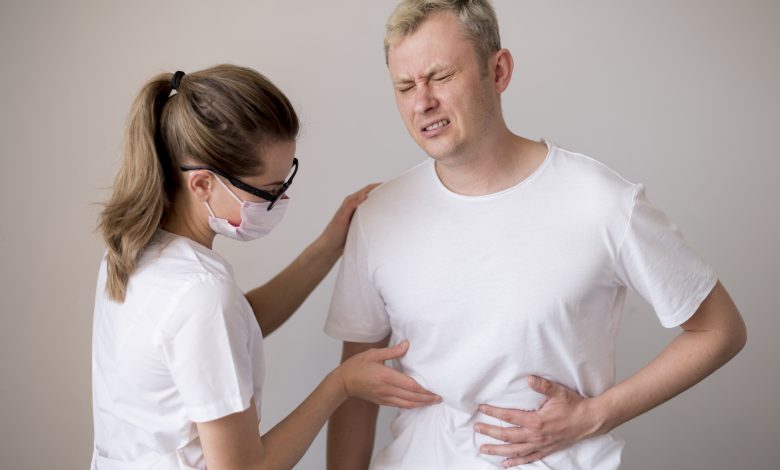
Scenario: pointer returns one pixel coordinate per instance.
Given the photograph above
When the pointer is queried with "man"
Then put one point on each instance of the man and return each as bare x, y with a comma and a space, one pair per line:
505, 262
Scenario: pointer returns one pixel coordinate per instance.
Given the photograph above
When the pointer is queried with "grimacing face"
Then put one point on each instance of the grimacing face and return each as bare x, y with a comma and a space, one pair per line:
442, 93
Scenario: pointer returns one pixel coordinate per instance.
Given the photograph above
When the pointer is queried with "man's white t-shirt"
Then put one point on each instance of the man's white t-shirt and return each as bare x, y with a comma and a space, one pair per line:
491, 289
183, 348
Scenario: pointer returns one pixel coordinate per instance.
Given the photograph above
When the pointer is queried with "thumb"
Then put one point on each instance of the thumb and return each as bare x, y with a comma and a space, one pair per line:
394, 352
543, 386
370, 187
363, 193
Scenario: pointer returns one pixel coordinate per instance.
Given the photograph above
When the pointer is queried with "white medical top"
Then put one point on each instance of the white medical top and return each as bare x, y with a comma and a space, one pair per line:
491, 289
183, 348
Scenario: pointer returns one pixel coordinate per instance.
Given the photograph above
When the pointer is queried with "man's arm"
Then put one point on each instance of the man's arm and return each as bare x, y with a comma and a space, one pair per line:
710, 338
352, 427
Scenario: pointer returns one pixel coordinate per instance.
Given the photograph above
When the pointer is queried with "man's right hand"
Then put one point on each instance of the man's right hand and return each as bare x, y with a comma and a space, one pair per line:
365, 376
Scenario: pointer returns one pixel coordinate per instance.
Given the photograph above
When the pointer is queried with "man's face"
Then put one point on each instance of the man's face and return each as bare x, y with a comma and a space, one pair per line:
445, 99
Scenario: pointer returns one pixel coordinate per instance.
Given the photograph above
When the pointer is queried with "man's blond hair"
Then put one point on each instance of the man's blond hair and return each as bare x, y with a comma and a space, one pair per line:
477, 19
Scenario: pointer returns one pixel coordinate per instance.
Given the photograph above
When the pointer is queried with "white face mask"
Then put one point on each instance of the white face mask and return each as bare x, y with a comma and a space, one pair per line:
256, 220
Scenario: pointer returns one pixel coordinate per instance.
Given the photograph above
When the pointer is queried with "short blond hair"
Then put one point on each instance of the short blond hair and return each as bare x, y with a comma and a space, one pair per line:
477, 18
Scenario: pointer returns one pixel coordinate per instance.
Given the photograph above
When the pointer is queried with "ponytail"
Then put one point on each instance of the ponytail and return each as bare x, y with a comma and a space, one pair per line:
218, 117
143, 188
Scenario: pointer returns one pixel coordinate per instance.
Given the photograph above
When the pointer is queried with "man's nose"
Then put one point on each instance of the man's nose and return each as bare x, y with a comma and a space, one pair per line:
424, 100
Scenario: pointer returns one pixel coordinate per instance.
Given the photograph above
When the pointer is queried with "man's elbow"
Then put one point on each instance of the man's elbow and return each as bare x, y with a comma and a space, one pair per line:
720, 316
739, 337
733, 337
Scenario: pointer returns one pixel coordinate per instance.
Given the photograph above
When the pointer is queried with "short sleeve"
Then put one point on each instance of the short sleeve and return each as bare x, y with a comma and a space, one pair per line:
207, 347
357, 311
655, 261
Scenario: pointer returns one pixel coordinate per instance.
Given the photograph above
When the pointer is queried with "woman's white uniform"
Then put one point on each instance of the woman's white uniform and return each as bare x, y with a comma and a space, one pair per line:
183, 348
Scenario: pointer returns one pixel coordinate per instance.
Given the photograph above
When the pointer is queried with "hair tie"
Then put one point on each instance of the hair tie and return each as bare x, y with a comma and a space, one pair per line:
176, 80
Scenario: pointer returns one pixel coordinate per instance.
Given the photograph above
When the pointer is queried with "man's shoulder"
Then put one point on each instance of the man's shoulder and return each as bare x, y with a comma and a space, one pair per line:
399, 190
580, 170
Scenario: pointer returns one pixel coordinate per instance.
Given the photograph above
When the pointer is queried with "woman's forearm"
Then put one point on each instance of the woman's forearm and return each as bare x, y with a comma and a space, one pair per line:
275, 301
286, 443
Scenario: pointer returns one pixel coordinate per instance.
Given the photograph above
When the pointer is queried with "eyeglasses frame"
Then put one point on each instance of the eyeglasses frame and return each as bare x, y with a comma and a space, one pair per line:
270, 197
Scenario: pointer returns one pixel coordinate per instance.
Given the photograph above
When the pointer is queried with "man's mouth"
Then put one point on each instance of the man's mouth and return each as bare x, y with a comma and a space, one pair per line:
437, 125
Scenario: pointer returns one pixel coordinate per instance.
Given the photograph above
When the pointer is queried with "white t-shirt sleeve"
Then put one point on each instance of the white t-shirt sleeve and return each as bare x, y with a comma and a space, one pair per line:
655, 261
206, 345
357, 311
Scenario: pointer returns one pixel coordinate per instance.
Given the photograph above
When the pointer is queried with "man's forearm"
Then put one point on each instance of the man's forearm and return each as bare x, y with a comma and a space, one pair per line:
351, 431
711, 338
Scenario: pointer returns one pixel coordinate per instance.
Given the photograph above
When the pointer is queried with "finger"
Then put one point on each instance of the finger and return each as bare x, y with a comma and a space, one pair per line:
416, 397
350, 203
361, 195
508, 450
393, 352
515, 461
546, 387
401, 380
542, 386
508, 415
369, 188
513, 435
401, 403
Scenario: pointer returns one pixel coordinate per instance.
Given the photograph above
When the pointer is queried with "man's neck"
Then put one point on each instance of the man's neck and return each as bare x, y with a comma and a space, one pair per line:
498, 164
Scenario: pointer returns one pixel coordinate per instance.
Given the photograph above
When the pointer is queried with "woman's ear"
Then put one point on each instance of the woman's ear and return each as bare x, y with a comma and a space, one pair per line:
199, 183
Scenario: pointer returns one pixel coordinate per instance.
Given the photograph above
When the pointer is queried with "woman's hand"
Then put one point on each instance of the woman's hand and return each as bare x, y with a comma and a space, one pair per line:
365, 376
334, 236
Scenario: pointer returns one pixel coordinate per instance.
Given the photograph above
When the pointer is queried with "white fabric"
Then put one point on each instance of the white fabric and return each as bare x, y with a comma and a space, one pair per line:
492, 289
183, 348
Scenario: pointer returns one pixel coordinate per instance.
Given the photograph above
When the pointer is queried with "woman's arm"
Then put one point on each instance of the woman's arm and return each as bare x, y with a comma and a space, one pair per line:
352, 427
275, 301
234, 442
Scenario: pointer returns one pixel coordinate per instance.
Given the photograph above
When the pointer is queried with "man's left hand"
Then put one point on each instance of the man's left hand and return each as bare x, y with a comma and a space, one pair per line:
563, 419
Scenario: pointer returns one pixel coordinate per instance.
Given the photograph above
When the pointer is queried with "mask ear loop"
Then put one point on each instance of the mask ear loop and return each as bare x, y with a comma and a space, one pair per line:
206, 203
228, 189
211, 211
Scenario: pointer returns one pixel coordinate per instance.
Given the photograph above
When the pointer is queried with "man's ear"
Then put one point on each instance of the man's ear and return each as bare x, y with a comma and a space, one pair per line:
502, 66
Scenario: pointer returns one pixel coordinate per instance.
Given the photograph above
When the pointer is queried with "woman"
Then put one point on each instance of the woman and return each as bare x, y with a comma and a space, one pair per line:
177, 347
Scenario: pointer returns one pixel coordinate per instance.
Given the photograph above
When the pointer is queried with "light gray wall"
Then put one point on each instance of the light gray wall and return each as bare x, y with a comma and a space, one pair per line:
681, 95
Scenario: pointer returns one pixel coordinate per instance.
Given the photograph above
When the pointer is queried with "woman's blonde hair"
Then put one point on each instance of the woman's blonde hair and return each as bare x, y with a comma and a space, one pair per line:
218, 117
477, 18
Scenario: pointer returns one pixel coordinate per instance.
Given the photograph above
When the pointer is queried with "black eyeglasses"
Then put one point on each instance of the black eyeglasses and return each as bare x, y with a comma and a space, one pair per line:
273, 198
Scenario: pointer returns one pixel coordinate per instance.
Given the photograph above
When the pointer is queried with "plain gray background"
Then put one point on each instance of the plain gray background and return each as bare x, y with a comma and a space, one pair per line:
679, 95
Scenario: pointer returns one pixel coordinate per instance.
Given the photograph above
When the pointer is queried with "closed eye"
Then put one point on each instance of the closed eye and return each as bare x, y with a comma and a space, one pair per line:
441, 78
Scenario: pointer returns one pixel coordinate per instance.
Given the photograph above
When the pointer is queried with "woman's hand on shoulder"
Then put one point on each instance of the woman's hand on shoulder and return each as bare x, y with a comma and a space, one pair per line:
365, 376
335, 234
